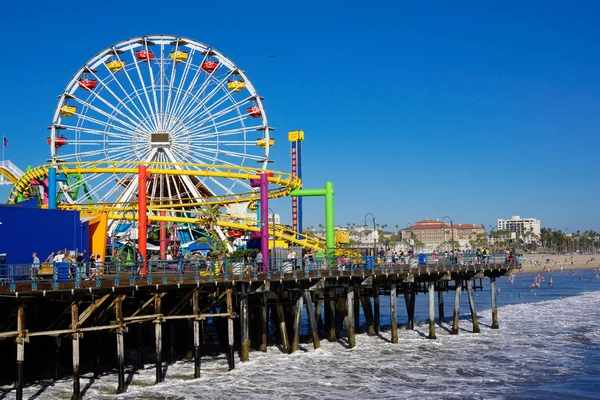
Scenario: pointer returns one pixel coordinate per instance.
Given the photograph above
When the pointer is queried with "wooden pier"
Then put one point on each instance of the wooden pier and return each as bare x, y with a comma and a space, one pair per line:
186, 315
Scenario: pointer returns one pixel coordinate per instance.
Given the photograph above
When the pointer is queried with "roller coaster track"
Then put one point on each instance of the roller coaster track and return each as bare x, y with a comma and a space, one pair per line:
285, 182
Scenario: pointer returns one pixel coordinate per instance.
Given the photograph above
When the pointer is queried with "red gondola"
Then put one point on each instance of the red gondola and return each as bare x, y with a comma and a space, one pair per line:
87, 84
59, 141
235, 233
209, 65
254, 112
144, 55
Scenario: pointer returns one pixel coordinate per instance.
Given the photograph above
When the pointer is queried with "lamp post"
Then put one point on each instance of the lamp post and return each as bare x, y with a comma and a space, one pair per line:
272, 223
410, 238
372, 217
452, 234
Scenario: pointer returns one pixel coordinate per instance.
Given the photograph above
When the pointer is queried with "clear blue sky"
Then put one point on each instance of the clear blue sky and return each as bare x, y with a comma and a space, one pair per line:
476, 110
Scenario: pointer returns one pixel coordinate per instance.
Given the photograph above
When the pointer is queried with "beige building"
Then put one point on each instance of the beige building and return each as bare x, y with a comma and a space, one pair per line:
433, 233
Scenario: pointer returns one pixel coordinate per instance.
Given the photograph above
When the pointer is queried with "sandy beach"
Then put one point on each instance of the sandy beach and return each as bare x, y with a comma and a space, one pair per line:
541, 262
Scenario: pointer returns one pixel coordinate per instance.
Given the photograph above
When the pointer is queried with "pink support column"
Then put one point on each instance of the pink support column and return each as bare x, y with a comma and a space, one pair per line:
142, 217
163, 237
264, 223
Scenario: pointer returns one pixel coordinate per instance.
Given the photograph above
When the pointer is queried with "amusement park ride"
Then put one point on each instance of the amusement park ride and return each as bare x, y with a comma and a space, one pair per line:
158, 129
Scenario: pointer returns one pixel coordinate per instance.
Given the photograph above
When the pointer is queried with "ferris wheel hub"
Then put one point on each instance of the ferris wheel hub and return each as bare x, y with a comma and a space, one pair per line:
160, 140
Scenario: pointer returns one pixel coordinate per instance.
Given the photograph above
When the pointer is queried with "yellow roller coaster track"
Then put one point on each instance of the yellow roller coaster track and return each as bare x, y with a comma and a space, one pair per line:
285, 182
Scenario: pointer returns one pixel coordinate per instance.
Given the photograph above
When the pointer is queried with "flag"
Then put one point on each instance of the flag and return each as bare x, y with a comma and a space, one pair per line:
5, 142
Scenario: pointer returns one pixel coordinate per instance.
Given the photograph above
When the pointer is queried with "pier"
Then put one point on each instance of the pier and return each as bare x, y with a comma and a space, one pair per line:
121, 319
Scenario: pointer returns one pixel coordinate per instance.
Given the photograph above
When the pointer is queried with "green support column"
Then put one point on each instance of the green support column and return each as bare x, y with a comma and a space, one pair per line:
327, 192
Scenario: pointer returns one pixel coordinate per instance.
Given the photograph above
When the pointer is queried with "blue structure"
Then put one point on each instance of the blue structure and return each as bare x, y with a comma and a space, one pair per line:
25, 230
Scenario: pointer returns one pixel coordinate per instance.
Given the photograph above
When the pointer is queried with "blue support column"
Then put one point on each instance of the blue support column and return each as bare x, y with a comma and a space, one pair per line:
52, 188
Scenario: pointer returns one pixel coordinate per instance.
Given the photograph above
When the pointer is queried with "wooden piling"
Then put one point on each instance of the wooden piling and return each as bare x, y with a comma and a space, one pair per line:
297, 319
285, 344
230, 332
120, 344
196, 333
318, 310
264, 323
158, 339
330, 310
57, 347
376, 310
20, 351
357, 309
244, 328
368, 312
431, 311
171, 326
457, 290
495, 324
75, 340
440, 293
350, 323
312, 322
472, 306
393, 313
140, 348
409, 299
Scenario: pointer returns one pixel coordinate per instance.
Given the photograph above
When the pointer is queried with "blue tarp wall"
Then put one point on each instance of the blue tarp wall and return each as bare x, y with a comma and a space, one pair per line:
24, 231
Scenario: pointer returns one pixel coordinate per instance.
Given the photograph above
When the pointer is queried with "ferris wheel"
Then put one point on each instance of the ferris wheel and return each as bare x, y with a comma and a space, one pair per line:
158, 99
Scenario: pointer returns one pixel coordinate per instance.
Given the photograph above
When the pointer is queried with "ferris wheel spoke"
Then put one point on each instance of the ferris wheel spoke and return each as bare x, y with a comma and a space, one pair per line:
107, 125
132, 116
152, 84
194, 95
109, 152
109, 105
101, 112
186, 69
208, 130
207, 113
228, 153
202, 101
152, 106
143, 87
97, 132
182, 104
243, 132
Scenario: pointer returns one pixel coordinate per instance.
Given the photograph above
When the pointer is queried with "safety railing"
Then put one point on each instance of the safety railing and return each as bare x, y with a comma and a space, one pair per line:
75, 275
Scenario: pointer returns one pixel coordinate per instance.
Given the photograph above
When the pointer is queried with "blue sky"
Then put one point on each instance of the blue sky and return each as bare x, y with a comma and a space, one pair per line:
476, 110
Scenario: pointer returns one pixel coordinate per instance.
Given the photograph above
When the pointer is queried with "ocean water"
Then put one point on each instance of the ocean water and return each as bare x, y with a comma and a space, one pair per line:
547, 347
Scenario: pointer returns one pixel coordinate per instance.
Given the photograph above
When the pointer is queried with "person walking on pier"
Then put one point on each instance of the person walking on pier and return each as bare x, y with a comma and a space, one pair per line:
291, 256
435, 257
35, 266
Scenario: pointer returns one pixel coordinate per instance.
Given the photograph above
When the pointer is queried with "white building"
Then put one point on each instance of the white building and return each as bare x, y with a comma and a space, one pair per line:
369, 237
520, 226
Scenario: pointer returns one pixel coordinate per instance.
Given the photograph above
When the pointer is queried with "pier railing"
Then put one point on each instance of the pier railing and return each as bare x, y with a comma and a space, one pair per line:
25, 277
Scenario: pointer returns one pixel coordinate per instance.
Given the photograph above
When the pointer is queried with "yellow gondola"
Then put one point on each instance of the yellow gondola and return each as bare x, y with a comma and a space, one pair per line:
68, 111
115, 65
178, 55
263, 142
236, 86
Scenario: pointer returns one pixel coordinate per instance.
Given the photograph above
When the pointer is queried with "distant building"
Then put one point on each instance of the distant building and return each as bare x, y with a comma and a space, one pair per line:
435, 233
521, 226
